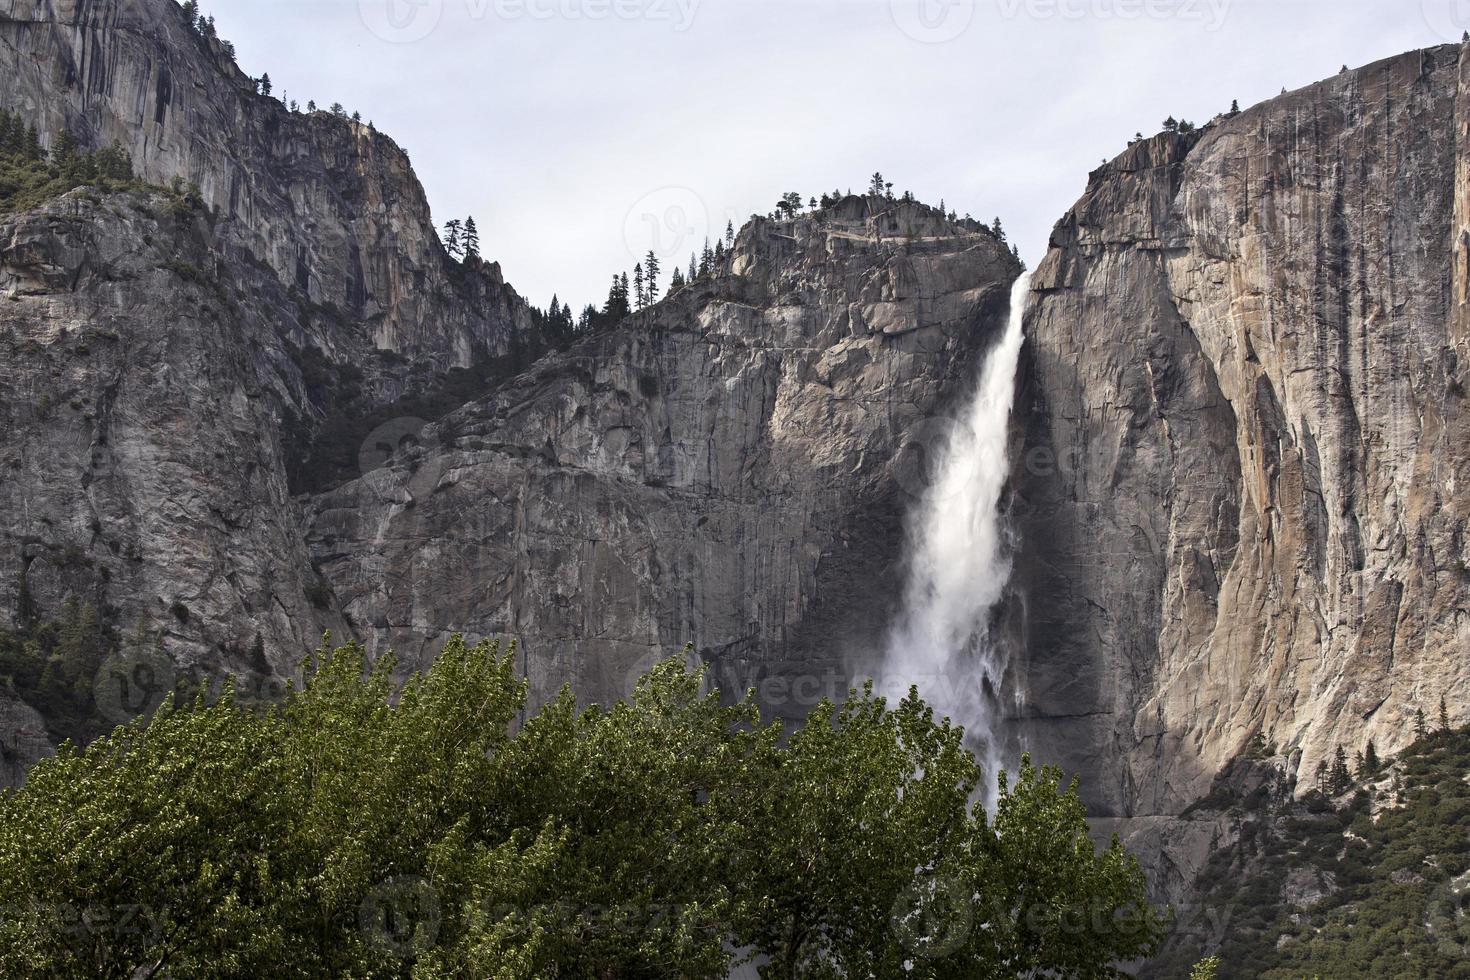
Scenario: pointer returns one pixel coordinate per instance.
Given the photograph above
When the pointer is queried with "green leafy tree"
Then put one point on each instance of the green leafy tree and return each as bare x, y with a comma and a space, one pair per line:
1206, 969
367, 828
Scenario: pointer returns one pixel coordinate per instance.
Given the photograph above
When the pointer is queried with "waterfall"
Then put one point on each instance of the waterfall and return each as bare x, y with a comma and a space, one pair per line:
958, 563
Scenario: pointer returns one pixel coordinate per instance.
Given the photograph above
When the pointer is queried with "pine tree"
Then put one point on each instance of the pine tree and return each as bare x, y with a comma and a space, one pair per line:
191, 11
875, 184
706, 260
1444, 715
265, 84
1171, 125
617, 300
651, 270
1321, 777
997, 230
452, 243
1371, 761
471, 239
719, 255
729, 233
1421, 724
638, 298
1234, 106
1341, 778
337, 109
676, 280
311, 105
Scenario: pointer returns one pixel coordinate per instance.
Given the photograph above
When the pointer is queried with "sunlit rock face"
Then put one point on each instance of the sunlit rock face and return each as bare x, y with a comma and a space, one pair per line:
1244, 439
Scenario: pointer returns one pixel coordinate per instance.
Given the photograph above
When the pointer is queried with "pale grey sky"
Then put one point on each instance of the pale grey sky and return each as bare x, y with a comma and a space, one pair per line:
574, 129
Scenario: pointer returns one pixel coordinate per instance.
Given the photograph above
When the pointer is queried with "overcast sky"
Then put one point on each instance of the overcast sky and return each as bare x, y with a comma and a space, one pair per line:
577, 130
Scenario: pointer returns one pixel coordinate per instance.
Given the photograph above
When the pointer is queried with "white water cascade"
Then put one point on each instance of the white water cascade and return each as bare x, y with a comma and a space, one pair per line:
958, 563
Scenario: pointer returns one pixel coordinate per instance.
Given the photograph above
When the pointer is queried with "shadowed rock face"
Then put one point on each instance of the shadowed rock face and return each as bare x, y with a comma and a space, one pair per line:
722, 470
1243, 430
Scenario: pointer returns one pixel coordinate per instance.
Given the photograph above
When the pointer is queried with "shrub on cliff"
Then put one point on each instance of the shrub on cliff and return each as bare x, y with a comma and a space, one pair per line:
358, 830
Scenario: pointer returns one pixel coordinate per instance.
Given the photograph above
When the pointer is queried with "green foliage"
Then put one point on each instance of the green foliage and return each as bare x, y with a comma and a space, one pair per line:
358, 830
1396, 881
1206, 969
51, 665
29, 177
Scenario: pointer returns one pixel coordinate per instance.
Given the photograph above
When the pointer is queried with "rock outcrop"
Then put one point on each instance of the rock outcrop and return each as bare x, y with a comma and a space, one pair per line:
721, 470
1243, 432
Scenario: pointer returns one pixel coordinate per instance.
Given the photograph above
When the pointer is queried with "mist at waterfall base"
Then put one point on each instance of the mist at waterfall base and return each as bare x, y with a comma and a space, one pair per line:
958, 562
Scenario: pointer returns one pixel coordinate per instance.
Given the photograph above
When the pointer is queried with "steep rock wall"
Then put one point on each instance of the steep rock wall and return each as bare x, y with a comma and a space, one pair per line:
331, 205
1243, 437
720, 471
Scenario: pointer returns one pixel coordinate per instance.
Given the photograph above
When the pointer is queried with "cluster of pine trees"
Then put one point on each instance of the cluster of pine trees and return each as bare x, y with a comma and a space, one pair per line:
30, 175
462, 238
1337, 777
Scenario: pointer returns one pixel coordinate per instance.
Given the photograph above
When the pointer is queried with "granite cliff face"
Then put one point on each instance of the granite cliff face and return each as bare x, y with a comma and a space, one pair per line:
331, 205
1239, 436
724, 470
171, 357
1242, 433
